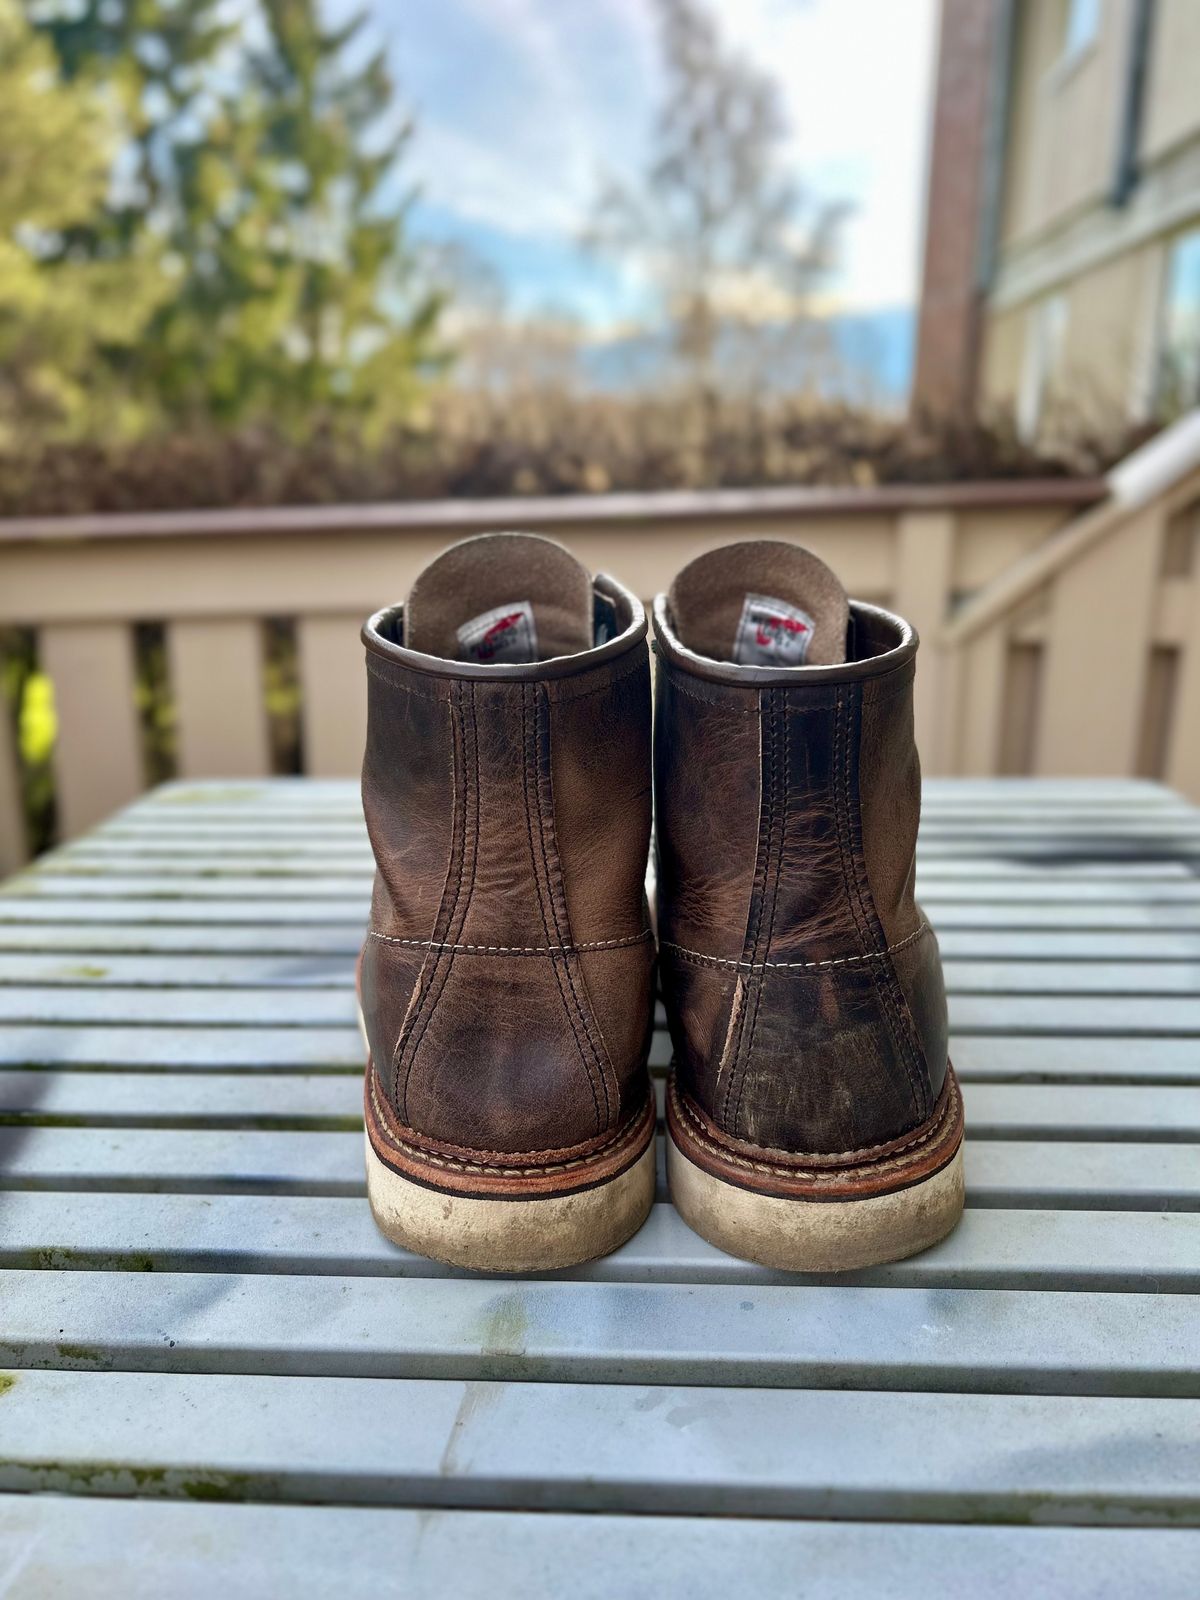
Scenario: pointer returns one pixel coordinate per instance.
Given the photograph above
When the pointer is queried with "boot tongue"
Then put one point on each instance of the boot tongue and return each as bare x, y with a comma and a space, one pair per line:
500, 597
761, 604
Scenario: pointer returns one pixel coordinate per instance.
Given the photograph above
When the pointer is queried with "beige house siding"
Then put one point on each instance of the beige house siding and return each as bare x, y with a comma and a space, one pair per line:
1063, 118
1173, 84
1103, 338
1004, 340
1103, 370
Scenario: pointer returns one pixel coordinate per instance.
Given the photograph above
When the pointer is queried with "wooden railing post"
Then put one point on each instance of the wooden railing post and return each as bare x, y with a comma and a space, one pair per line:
924, 575
98, 751
216, 666
14, 845
333, 687
1183, 757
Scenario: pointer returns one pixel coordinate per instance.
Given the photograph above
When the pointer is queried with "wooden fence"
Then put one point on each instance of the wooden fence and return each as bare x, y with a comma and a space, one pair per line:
1059, 619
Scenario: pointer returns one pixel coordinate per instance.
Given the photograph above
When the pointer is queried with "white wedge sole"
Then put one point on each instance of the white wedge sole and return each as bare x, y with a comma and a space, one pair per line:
511, 1235
816, 1235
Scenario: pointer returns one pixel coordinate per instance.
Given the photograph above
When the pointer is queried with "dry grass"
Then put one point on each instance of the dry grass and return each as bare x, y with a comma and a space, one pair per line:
536, 441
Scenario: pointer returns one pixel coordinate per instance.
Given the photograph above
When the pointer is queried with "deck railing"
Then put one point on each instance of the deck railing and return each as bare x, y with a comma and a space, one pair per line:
1061, 619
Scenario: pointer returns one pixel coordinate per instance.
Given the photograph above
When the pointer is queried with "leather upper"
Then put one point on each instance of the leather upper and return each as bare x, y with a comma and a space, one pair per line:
506, 979
802, 984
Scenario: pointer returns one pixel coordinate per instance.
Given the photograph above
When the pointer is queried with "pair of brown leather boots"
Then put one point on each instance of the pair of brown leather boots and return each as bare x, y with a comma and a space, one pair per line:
507, 978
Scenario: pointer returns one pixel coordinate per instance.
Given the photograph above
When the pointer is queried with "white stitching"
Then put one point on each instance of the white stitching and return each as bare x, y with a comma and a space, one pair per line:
760, 966
622, 1137
930, 1131
515, 949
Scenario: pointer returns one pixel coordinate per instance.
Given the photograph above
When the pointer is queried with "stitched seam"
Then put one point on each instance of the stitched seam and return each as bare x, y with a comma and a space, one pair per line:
780, 778
518, 949
401, 1055
841, 787
877, 689
850, 873
573, 1017
769, 763
757, 897
701, 959
400, 686
784, 1169
882, 986
568, 696
581, 1010
528, 770
842, 1159
886, 980
623, 1137
421, 1020
720, 703
455, 915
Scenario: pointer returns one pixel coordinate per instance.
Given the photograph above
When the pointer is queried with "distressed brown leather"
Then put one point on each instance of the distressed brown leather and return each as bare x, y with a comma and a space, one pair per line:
506, 978
803, 987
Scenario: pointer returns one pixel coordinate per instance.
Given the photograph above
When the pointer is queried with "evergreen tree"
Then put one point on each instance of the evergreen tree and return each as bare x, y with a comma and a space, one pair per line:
297, 300
67, 316
260, 162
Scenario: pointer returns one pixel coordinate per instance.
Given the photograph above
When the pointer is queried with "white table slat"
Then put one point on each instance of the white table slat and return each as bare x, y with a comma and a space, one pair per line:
981, 1341
603, 1447
99, 1229
243, 1552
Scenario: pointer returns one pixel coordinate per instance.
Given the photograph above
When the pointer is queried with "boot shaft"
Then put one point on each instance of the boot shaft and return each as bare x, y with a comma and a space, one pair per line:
506, 976
803, 986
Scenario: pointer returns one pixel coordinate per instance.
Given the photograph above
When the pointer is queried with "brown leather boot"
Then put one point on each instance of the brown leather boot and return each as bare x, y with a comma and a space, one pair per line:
506, 982
814, 1122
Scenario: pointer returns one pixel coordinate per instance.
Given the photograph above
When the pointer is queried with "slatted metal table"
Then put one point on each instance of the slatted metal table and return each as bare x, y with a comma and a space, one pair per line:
221, 1380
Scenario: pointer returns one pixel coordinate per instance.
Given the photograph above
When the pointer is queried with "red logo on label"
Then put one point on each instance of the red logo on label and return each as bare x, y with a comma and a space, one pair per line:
486, 648
771, 624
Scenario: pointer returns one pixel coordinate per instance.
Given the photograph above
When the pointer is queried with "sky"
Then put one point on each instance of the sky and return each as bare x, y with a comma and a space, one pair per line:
522, 106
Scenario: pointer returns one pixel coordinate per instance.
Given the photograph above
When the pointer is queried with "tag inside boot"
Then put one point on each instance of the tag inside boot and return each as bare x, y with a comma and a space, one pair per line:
764, 603
461, 607
505, 633
772, 633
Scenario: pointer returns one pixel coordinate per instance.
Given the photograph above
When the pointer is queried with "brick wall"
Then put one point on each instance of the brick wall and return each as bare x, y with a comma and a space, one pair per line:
948, 326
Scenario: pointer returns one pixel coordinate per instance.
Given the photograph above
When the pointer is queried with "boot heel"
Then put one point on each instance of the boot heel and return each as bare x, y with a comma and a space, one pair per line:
512, 1233
800, 1218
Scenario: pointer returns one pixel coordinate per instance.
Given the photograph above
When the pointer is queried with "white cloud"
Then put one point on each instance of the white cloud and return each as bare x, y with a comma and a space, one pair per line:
540, 97
857, 78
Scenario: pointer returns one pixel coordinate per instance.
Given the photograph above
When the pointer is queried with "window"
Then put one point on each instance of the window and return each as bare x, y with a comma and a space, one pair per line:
1179, 342
1082, 28
1044, 332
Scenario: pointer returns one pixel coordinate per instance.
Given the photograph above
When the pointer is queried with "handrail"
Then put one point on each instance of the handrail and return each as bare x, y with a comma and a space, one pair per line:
1140, 479
552, 510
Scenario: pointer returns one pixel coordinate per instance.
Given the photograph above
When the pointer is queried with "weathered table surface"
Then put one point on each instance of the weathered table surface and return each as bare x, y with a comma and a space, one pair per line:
225, 1382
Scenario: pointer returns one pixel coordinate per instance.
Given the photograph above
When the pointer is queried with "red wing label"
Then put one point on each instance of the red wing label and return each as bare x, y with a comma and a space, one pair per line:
505, 633
772, 633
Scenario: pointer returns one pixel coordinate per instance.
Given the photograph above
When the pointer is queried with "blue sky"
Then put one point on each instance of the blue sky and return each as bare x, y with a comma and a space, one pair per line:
522, 105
